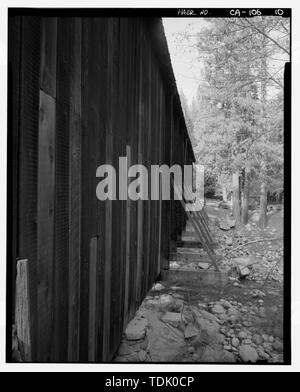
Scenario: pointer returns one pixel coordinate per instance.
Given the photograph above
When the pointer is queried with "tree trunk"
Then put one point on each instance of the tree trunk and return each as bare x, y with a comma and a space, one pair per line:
263, 221
245, 199
224, 193
236, 197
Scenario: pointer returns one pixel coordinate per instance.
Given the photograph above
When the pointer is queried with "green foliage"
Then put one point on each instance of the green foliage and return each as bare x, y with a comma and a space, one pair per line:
237, 117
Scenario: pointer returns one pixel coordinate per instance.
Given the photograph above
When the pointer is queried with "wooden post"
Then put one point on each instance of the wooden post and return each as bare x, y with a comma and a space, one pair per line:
22, 315
236, 196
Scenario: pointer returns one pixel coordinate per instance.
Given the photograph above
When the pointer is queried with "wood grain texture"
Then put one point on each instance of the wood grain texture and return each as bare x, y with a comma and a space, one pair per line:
48, 55
93, 300
46, 181
106, 90
22, 315
75, 190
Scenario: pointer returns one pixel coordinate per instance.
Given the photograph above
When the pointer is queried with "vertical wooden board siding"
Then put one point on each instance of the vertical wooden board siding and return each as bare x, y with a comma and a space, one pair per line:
143, 140
92, 347
46, 180
123, 114
94, 86
160, 132
109, 205
28, 158
101, 101
165, 203
84, 230
104, 95
48, 55
13, 137
130, 161
62, 190
134, 157
153, 229
97, 116
116, 205
148, 155
75, 191
138, 277
127, 249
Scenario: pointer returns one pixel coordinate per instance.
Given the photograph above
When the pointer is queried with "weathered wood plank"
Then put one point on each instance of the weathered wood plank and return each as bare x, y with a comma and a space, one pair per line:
93, 300
48, 55
28, 158
109, 206
22, 312
62, 191
46, 181
127, 249
75, 191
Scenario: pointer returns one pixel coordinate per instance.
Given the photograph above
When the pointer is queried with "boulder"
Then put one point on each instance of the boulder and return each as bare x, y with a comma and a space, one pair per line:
242, 335
218, 309
136, 329
166, 299
278, 346
203, 265
224, 225
158, 287
225, 304
190, 331
248, 354
174, 265
243, 271
142, 355
235, 342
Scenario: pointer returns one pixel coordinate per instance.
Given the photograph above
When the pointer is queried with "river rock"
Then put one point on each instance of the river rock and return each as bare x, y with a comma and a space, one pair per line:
142, 355
218, 309
158, 287
235, 342
243, 271
225, 304
136, 329
190, 331
248, 354
242, 335
278, 346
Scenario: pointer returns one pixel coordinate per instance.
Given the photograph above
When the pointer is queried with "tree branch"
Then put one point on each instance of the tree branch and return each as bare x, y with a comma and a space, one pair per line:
267, 36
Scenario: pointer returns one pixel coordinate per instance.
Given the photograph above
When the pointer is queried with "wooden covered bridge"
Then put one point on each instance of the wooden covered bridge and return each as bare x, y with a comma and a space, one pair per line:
84, 91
